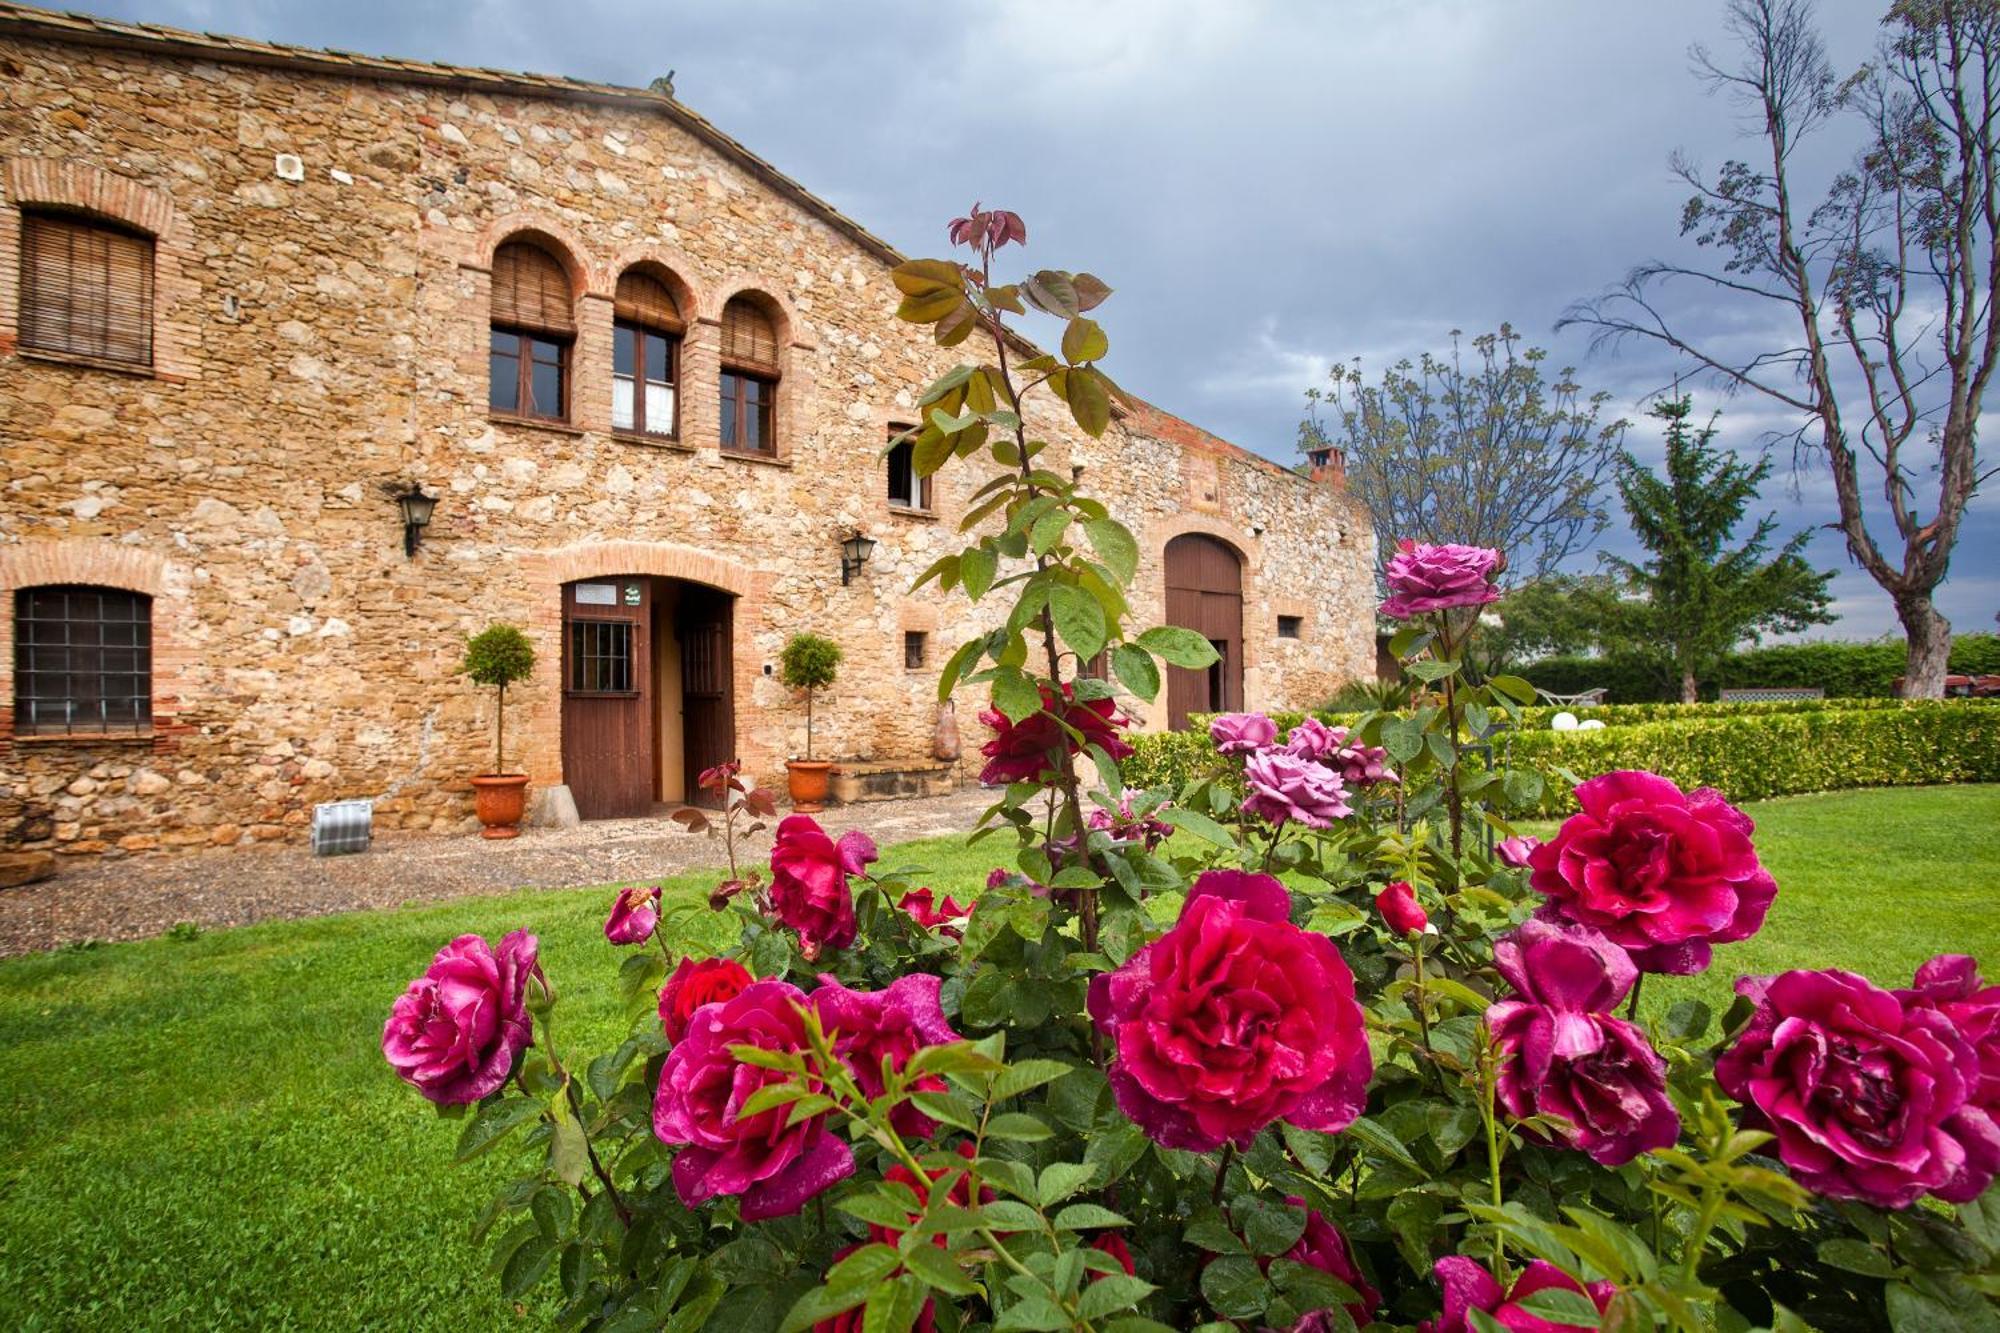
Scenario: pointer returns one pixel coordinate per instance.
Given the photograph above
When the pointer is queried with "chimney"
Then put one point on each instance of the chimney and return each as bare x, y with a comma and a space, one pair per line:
1328, 465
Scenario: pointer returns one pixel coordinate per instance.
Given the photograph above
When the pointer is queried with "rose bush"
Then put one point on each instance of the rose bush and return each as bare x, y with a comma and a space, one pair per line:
1313, 1041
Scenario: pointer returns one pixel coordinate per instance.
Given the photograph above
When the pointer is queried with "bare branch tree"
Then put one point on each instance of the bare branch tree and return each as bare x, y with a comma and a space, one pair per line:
1487, 453
1890, 280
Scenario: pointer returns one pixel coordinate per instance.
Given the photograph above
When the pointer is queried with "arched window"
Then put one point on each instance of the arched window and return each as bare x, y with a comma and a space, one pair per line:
646, 356
83, 660
86, 288
534, 324
749, 378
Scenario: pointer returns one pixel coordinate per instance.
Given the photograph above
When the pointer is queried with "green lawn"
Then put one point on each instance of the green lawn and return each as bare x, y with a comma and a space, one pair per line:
203, 1133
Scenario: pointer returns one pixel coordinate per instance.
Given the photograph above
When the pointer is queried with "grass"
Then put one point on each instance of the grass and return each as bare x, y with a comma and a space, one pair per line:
201, 1132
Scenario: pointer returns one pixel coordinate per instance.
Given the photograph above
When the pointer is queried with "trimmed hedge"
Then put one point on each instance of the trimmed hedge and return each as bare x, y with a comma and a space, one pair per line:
1747, 755
1843, 670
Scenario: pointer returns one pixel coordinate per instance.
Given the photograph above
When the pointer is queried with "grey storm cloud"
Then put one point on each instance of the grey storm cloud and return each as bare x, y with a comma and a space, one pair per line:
1270, 187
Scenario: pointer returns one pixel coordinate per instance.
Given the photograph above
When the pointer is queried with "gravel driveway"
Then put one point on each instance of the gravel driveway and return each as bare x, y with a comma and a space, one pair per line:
133, 897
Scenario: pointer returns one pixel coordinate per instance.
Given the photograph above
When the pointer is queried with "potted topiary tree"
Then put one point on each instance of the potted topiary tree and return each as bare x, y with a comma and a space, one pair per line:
808, 663
498, 656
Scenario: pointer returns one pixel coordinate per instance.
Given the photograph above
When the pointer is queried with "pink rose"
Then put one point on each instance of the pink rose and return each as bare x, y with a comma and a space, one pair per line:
1400, 910
1149, 831
1468, 1286
774, 1165
1322, 1246
1951, 984
1423, 577
1023, 751
891, 1024
1241, 733
946, 920
1232, 1019
454, 1033
634, 914
1664, 874
1283, 786
1565, 1056
1515, 851
695, 984
809, 887
1868, 1097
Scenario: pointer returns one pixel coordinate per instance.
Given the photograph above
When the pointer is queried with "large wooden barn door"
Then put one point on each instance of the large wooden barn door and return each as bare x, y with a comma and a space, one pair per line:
708, 704
1205, 594
607, 734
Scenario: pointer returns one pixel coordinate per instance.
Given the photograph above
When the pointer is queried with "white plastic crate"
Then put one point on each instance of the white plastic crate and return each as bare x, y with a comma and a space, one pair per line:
340, 827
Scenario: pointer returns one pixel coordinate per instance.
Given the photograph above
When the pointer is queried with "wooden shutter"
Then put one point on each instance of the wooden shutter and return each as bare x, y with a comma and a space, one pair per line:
531, 290
644, 299
749, 338
86, 288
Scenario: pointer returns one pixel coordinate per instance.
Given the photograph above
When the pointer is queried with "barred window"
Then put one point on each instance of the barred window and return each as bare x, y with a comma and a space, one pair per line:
83, 661
86, 288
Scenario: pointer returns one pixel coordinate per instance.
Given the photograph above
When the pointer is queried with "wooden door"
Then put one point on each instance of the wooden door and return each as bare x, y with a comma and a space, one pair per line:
608, 723
1205, 594
708, 696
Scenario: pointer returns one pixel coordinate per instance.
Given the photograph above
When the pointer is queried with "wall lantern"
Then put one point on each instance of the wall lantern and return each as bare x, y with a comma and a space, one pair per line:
854, 553
416, 507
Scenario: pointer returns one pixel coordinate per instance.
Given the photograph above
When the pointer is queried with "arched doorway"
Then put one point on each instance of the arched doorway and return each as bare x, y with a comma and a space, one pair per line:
1205, 594
647, 703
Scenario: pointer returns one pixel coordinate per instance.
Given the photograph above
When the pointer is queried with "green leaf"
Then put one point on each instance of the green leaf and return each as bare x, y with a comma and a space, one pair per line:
1134, 666
1018, 697
569, 1152
937, 1269
1090, 290
1018, 1126
976, 568
1089, 1217
1856, 1256
1084, 340
1234, 1288
1115, 546
1520, 691
1198, 824
1559, 1305
1268, 1228
1687, 1020
528, 1265
1059, 1180
1079, 620
1112, 1292
1089, 401
930, 451
1047, 532
1181, 647
494, 1123
1374, 1136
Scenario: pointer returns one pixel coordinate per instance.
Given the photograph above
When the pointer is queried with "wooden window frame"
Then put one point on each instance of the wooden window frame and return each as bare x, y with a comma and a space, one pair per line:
735, 410
31, 633
921, 498
524, 374
32, 314
641, 332
916, 650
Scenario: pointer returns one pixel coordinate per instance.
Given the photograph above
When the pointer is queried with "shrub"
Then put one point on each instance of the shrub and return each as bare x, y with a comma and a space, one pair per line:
499, 655
809, 663
1843, 670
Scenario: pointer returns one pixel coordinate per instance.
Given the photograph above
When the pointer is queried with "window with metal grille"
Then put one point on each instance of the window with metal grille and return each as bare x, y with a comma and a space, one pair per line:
534, 323
83, 661
600, 657
645, 356
1289, 627
86, 288
750, 368
907, 490
916, 647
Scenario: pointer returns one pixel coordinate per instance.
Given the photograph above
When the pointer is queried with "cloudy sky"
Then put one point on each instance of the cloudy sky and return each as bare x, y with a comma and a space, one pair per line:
1270, 187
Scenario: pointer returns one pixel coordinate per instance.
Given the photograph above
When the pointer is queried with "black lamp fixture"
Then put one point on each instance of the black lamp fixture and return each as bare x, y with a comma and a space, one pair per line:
854, 553
416, 507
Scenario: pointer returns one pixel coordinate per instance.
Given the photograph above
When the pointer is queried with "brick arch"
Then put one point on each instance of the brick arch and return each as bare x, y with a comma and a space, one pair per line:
587, 275
675, 269
1162, 531
105, 564
792, 331
663, 559
60, 183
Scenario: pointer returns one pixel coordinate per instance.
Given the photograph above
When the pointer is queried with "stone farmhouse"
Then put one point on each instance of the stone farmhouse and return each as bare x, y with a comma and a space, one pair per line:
250, 294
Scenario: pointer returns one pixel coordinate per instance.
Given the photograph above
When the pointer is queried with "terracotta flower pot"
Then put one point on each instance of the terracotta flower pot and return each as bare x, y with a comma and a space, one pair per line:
808, 780
500, 799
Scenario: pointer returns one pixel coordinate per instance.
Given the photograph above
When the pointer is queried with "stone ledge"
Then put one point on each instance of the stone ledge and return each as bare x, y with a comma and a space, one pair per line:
887, 781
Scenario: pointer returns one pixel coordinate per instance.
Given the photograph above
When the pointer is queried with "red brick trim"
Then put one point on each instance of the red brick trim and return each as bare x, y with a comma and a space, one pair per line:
64, 183
796, 345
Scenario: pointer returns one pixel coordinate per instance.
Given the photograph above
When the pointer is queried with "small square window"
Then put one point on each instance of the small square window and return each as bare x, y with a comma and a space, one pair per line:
1289, 627
916, 649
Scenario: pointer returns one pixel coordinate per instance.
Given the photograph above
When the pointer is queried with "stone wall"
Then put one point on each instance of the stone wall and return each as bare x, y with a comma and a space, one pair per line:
322, 340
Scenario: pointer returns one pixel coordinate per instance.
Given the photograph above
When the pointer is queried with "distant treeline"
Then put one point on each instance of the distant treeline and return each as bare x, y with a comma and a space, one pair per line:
1843, 670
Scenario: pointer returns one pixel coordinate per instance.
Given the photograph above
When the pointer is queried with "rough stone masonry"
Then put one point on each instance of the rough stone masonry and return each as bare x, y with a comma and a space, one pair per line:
323, 231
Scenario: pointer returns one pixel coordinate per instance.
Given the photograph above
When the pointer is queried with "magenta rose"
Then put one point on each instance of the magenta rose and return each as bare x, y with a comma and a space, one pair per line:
1951, 984
1565, 1056
1516, 850
1149, 831
694, 984
1023, 751
773, 1165
1468, 1286
1663, 873
1241, 733
947, 918
1322, 1246
1401, 912
1284, 787
893, 1024
1423, 577
809, 887
454, 1034
634, 914
1233, 1019
1865, 1094
1314, 739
